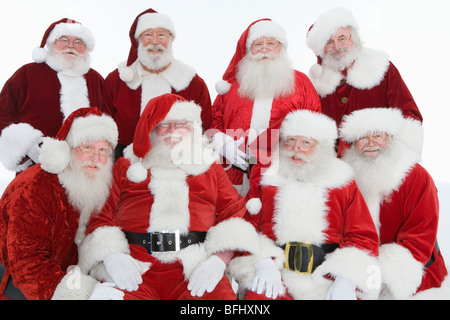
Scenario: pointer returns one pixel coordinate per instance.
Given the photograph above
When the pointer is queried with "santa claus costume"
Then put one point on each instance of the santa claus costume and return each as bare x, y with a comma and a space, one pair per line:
192, 201
129, 88
39, 96
236, 116
41, 224
321, 211
370, 81
403, 201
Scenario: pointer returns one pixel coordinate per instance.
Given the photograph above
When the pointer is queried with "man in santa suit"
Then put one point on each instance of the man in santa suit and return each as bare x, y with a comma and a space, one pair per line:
258, 88
350, 77
172, 207
45, 209
318, 240
39, 96
151, 70
403, 201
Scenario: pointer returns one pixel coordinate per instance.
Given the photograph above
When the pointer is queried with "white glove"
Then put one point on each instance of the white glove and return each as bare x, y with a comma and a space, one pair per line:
341, 289
206, 276
268, 277
106, 291
124, 270
231, 152
34, 153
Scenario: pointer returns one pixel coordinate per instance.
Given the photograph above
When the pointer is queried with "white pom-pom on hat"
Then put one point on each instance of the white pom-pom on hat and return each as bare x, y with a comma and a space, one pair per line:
316, 70
222, 87
253, 206
137, 173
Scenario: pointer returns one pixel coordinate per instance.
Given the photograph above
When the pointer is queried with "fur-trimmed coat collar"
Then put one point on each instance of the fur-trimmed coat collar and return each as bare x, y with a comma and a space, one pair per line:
367, 71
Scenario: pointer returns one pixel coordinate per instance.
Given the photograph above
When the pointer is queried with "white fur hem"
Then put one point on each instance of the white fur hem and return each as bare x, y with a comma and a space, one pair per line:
99, 245
74, 286
232, 234
401, 273
358, 267
15, 142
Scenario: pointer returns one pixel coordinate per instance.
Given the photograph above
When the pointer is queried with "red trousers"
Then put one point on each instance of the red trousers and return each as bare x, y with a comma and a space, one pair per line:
165, 281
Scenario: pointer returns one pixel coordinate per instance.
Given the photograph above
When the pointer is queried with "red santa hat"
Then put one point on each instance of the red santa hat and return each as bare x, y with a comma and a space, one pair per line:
297, 123
364, 122
325, 26
149, 19
257, 29
63, 27
82, 126
167, 107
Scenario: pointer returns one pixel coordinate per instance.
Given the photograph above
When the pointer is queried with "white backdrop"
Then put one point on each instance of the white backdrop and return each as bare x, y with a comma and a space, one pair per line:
415, 34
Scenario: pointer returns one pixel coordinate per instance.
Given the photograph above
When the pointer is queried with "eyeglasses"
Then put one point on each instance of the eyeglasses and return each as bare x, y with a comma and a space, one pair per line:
302, 143
91, 150
161, 36
176, 124
377, 138
270, 45
77, 43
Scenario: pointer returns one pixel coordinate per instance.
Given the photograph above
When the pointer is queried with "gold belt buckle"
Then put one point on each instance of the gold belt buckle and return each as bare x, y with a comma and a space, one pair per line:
298, 256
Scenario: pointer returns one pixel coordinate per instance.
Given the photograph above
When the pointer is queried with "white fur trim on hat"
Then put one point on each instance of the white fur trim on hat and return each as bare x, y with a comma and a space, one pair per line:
309, 124
153, 21
73, 30
55, 154
184, 110
266, 28
326, 25
363, 122
92, 128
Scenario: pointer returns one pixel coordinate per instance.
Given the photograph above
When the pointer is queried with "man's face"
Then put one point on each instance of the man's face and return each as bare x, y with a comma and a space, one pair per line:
92, 157
339, 43
70, 47
172, 133
299, 148
265, 46
371, 146
157, 38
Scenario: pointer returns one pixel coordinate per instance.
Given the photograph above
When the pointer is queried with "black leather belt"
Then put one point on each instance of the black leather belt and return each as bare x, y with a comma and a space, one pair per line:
164, 241
304, 258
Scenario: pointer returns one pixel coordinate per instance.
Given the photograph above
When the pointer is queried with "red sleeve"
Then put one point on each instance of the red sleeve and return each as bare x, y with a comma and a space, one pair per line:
400, 96
349, 210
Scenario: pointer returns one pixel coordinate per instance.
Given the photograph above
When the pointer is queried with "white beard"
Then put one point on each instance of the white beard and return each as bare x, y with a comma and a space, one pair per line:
86, 194
341, 63
188, 152
377, 178
307, 171
155, 61
76, 67
269, 78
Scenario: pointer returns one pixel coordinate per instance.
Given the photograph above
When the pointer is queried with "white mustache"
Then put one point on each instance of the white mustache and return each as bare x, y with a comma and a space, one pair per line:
339, 50
89, 163
297, 155
260, 55
155, 47
71, 51
371, 149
